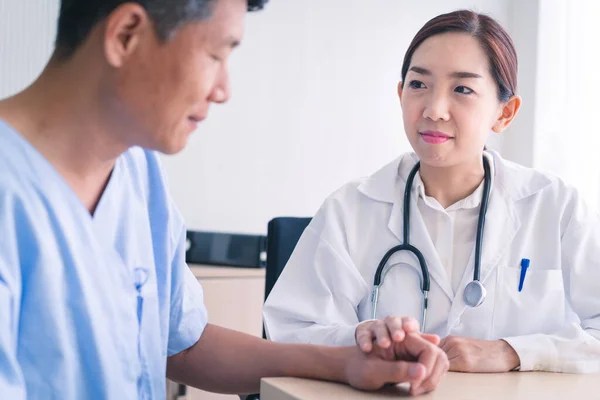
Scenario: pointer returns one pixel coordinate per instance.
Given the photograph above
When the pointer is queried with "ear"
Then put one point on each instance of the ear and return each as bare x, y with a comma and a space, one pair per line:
124, 28
509, 111
400, 89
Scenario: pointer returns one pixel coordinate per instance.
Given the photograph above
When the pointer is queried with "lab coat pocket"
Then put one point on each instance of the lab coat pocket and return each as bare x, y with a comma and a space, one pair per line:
538, 308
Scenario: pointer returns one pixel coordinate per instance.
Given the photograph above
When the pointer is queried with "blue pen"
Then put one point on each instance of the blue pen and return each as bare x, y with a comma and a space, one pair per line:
524, 265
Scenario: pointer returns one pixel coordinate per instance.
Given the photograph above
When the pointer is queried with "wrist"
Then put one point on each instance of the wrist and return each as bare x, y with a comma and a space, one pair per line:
321, 362
340, 358
511, 357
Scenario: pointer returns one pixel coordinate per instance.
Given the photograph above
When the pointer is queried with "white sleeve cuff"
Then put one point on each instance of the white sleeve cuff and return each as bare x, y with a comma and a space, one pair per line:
335, 336
536, 352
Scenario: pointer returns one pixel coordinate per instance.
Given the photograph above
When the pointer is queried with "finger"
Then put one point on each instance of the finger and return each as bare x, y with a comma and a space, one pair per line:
364, 338
425, 352
443, 341
410, 324
395, 328
382, 336
433, 339
441, 367
385, 354
400, 372
446, 344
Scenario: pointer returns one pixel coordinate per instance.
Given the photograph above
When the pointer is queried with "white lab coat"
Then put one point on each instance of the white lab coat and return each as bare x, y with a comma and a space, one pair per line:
325, 290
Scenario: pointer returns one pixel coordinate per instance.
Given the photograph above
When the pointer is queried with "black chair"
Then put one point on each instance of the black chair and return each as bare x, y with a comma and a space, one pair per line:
283, 234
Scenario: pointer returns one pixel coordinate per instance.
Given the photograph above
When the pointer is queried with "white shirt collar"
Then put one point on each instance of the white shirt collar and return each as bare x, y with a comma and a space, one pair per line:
471, 201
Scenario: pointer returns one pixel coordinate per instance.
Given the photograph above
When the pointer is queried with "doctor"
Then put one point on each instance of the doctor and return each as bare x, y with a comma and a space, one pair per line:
524, 295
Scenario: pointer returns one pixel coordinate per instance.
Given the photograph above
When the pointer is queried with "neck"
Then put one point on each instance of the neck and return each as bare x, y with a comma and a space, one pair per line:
61, 115
451, 184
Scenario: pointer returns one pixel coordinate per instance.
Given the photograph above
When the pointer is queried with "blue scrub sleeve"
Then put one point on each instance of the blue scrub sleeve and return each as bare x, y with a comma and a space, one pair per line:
12, 384
188, 313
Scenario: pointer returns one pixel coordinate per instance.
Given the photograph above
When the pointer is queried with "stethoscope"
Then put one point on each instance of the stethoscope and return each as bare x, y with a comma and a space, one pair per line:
474, 293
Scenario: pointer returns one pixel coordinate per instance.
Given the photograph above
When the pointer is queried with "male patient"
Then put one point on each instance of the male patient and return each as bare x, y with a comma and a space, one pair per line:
96, 301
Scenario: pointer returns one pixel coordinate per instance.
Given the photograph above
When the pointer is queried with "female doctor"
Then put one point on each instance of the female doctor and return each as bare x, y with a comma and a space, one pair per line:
503, 261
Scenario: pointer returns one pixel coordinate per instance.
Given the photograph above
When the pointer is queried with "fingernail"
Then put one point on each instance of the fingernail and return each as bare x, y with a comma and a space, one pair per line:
414, 371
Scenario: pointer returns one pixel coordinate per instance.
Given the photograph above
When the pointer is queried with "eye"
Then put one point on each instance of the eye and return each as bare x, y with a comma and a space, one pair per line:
216, 58
463, 90
416, 85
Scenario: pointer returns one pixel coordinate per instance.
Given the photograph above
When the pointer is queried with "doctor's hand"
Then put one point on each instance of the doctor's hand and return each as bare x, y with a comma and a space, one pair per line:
384, 332
474, 355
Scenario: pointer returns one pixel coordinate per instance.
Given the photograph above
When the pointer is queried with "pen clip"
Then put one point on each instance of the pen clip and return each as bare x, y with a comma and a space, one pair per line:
524, 266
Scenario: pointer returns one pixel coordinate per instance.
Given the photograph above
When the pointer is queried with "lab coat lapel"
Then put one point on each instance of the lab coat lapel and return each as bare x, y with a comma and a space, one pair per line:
419, 238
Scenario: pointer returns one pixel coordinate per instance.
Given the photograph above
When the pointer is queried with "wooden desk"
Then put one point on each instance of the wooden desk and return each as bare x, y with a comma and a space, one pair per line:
234, 299
509, 386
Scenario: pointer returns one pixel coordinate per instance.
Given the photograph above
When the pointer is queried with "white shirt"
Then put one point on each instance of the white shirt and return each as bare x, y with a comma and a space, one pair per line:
452, 230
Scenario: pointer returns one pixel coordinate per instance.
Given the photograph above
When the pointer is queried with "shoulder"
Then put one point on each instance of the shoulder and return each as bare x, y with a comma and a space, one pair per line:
364, 195
540, 190
520, 182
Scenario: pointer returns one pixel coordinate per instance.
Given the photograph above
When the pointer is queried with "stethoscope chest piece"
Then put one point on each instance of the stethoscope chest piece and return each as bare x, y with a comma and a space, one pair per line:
474, 294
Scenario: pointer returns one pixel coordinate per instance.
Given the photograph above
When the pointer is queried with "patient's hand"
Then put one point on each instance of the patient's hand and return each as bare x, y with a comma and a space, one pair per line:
397, 338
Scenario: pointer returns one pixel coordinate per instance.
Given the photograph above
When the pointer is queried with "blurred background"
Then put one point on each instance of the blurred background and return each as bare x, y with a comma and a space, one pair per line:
314, 100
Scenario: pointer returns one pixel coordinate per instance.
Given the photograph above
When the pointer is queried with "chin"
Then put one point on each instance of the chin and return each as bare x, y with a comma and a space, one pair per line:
171, 145
433, 158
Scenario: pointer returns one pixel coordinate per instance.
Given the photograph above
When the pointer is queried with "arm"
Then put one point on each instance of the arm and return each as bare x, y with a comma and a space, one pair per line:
231, 362
575, 348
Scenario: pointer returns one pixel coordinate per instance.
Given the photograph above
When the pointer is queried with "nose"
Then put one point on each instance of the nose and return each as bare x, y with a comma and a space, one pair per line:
437, 108
221, 91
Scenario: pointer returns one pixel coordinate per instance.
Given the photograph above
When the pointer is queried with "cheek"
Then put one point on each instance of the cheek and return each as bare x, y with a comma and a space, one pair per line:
195, 77
473, 120
139, 99
411, 113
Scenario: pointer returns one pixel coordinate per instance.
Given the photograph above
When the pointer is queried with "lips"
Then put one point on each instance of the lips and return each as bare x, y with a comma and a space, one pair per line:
436, 134
196, 118
435, 137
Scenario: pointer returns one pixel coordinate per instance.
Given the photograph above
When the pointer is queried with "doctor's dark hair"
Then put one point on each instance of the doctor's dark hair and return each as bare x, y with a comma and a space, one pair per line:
77, 18
494, 40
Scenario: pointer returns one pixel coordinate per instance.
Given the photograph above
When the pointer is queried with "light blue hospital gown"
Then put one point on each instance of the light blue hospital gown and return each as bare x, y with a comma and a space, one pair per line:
90, 307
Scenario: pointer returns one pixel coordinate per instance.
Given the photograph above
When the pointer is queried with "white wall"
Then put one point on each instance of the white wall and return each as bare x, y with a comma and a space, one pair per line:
314, 102
518, 143
566, 139
27, 30
314, 105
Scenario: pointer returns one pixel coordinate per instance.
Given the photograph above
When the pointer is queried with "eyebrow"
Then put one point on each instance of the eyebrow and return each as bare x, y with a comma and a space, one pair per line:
459, 74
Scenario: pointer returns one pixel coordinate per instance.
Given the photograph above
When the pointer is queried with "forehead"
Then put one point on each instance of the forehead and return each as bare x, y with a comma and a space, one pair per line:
451, 52
226, 20
224, 27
